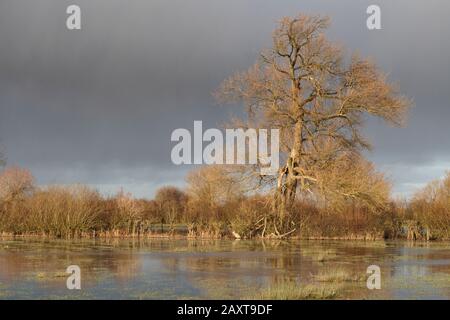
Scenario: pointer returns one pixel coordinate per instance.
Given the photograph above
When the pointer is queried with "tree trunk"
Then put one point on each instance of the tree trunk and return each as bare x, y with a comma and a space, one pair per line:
287, 182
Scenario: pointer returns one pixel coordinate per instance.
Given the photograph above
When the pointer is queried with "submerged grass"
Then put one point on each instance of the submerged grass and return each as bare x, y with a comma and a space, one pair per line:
49, 275
325, 255
294, 291
338, 275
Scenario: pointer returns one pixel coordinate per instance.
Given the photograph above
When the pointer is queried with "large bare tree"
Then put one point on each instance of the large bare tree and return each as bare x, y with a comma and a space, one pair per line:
319, 98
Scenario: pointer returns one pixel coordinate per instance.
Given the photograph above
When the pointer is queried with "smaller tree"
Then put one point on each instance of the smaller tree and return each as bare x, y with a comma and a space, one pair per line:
431, 207
128, 212
213, 185
171, 202
15, 183
213, 191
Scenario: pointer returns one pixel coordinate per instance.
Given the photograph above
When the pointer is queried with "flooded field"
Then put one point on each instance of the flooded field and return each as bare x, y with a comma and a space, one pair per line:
225, 269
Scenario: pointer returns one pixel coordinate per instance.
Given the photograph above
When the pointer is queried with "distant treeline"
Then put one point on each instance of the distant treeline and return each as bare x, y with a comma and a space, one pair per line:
212, 206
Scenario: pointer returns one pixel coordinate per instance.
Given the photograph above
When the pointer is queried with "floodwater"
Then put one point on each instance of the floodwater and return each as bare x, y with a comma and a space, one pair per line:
222, 269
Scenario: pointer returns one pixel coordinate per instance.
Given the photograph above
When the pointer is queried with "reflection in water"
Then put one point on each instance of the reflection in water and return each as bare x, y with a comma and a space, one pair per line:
422, 272
181, 269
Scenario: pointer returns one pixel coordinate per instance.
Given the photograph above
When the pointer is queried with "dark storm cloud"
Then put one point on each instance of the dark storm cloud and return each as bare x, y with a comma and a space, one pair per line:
98, 105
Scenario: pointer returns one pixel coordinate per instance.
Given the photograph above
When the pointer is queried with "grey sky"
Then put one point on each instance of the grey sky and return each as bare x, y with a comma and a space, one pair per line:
97, 106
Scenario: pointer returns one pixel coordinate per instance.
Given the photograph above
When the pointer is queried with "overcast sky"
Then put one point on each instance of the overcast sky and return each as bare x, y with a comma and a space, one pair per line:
97, 106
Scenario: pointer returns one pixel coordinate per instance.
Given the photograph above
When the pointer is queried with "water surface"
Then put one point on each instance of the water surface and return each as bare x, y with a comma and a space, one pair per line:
216, 269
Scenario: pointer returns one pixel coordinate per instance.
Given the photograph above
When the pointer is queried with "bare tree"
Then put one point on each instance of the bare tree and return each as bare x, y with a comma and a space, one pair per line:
15, 183
318, 98
213, 185
431, 208
171, 202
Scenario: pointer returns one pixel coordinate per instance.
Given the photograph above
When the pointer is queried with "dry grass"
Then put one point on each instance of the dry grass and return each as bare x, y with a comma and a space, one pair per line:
293, 291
